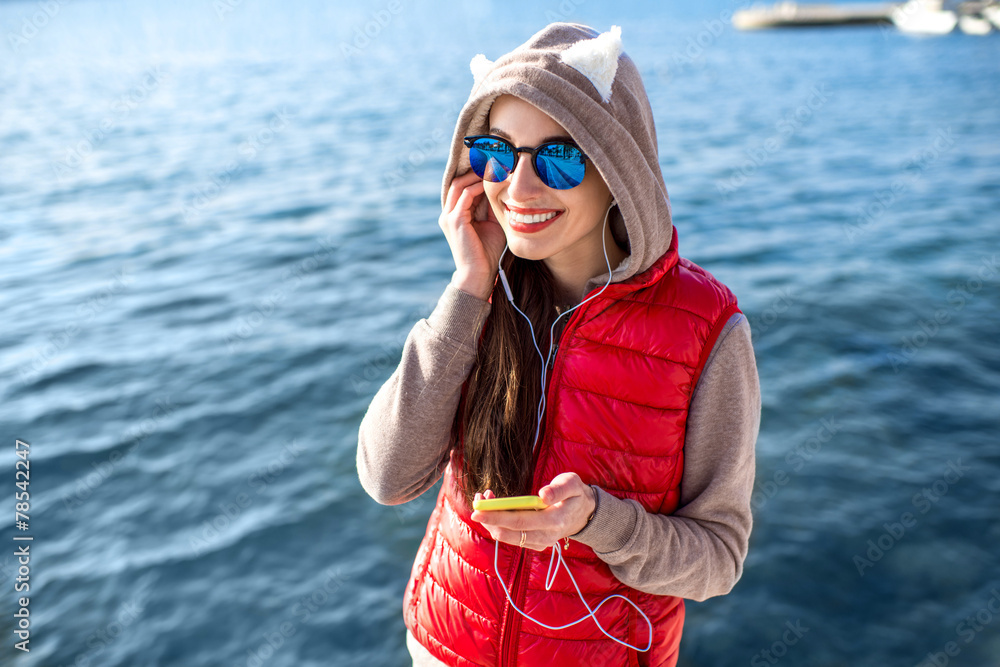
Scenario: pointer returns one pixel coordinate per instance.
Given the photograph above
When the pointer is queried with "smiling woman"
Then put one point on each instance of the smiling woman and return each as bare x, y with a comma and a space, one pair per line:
573, 236
638, 436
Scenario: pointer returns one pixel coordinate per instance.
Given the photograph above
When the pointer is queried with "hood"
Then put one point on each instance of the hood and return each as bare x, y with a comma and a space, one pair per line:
590, 86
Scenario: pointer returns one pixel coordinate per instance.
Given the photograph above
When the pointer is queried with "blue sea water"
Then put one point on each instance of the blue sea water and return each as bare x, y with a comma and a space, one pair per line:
218, 223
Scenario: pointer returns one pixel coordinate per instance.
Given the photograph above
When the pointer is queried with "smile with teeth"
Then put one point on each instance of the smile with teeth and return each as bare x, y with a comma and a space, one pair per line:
531, 219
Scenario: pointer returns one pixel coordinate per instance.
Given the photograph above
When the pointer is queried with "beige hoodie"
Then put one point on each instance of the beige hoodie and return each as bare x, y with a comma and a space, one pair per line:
592, 88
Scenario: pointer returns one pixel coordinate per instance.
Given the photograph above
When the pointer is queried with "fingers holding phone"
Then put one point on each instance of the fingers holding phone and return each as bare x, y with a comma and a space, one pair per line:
508, 520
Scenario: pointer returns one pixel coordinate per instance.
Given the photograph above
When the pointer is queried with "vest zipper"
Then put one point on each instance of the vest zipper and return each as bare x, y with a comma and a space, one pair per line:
512, 619
512, 625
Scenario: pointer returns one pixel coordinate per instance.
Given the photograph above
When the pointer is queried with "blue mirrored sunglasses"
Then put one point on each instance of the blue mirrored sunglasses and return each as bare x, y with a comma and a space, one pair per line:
560, 165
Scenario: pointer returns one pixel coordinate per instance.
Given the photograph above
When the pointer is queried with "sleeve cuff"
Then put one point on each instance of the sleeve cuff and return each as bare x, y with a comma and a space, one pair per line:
459, 316
612, 526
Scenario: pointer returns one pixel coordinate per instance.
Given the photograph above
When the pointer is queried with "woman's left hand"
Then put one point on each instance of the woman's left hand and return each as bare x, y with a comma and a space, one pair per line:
570, 502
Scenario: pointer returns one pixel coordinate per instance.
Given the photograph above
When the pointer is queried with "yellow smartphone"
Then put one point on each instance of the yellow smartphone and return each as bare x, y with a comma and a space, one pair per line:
509, 503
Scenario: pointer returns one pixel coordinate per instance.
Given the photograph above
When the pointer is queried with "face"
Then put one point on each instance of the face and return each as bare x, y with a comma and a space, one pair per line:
573, 236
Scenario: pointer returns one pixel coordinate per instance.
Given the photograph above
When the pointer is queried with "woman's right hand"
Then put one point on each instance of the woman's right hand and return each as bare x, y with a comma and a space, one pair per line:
476, 238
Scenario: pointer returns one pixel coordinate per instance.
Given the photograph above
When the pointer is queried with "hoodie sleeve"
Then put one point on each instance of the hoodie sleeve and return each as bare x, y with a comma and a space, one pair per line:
404, 437
698, 551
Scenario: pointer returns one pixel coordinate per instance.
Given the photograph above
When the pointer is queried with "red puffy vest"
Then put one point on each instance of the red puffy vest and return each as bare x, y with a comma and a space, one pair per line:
616, 412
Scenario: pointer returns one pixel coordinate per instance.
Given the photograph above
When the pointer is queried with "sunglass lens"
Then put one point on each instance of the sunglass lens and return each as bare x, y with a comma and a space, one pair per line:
491, 160
561, 166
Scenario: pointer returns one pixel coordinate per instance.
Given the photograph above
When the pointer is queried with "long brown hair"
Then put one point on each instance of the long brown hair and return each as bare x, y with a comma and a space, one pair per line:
500, 409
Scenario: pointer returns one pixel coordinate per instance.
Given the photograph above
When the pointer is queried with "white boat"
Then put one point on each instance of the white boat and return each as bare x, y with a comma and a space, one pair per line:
992, 14
924, 17
974, 25
793, 15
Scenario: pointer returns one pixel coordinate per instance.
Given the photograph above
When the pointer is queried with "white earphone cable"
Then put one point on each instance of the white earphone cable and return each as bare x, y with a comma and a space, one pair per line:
545, 361
557, 557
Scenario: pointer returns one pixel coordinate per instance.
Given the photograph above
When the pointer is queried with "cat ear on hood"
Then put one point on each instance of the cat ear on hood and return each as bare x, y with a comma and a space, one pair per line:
480, 67
597, 59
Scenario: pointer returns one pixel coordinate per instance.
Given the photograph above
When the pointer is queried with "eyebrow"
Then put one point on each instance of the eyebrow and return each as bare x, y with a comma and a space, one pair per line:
557, 137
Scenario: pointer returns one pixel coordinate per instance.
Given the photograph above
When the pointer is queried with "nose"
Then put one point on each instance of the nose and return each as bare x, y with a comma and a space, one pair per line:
523, 182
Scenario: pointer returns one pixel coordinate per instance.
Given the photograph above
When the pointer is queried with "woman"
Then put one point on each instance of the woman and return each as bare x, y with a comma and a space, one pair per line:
626, 397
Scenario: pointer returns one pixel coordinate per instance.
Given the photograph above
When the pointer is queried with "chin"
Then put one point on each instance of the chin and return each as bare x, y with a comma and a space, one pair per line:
526, 248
